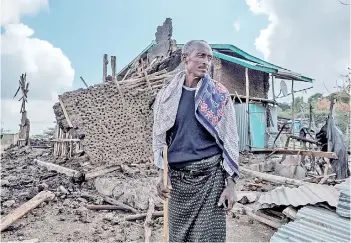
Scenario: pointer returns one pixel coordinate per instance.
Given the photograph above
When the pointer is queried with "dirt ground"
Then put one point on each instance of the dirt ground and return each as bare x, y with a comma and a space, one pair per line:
66, 218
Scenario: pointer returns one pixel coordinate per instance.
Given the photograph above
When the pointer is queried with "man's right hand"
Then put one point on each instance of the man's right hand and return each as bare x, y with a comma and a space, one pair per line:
162, 191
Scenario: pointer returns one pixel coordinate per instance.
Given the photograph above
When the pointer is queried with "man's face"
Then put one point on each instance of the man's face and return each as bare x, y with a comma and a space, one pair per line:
198, 62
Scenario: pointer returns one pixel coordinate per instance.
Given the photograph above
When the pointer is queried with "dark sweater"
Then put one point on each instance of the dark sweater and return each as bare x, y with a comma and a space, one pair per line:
188, 140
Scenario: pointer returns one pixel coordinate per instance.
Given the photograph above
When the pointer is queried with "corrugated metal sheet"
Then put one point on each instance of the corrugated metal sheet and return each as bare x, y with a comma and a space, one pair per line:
258, 123
314, 224
344, 203
242, 125
303, 195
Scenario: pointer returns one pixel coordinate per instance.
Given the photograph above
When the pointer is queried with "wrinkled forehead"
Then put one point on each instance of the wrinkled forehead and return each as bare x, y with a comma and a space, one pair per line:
202, 48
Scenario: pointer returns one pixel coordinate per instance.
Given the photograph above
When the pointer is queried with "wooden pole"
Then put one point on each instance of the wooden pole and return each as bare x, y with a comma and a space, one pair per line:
274, 178
247, 105
104, 68
140, 216
165, 206
59, 168
113, 68
273, 88
147, 223
293, 110
81, 78
25, 208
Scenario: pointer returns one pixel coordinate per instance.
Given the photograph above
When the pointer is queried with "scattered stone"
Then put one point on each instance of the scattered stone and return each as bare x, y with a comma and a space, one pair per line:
251, 221
109, 216
63, 189
11, 178
5, 182
42, 187
66, 202
8, 203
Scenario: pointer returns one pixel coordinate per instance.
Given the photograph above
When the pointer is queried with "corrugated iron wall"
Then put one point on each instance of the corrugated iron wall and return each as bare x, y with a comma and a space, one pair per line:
273, 127
258, 124
242, 125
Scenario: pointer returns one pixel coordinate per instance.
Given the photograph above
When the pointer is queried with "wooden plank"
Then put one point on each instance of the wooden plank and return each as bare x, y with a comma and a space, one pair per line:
116, 203
65, 113
251, 213
65, 140
329, 155
290, 212
25, 208
273, 178
58, 168
140, 216
107, 207
97, 173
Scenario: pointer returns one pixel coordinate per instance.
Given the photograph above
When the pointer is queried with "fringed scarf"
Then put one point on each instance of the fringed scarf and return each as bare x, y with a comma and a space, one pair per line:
214, 109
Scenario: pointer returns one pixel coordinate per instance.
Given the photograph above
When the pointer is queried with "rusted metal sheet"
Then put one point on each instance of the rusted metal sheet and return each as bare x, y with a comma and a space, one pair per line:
303, 195
314, 224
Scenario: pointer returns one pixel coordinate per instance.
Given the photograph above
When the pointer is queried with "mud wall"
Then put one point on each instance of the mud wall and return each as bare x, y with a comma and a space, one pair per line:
232, 76
115, 130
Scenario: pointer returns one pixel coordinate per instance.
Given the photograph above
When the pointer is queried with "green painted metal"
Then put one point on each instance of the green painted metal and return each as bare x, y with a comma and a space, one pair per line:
253, 63
243, 63
258, 123
245, 55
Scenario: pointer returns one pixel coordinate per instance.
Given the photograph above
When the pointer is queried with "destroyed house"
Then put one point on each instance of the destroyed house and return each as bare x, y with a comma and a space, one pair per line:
257, 121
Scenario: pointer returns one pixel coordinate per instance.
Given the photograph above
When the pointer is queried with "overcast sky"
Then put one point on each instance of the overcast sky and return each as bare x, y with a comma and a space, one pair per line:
58, 41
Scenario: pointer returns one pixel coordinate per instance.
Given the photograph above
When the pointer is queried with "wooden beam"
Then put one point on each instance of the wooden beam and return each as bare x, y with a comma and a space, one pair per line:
81, 78
65, 113
25, 208
329, 155
66, 140
273, 178
113, 67
107, 207
253, 98
247, 105
293, 110
113, 201
97, 173
59, 169
140, 216
104, 68
251, 213
273, 88
290, 212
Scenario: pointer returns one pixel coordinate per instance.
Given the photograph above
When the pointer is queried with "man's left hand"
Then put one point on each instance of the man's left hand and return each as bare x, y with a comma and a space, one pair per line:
228, 194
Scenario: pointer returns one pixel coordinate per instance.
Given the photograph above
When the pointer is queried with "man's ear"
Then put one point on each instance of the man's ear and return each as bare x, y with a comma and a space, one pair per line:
184, 58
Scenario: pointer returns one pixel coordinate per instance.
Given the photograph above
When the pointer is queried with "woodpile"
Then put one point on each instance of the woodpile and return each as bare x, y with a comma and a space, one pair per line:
115, 120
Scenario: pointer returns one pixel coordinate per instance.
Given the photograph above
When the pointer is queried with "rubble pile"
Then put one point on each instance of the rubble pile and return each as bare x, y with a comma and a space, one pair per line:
110, 207
22, 179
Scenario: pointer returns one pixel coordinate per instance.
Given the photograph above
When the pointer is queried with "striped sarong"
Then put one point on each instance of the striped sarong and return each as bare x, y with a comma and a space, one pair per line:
194, 215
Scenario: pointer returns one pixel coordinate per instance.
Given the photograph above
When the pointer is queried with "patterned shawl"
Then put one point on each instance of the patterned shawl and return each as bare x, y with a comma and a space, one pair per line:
213, 109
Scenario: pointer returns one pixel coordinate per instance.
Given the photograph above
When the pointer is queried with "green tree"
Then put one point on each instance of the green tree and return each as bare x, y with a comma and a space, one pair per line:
314, 98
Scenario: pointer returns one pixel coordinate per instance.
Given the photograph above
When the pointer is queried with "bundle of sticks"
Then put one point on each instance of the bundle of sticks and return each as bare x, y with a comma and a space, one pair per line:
152, 82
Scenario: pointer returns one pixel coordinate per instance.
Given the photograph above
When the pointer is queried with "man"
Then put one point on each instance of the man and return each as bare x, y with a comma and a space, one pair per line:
195, 117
